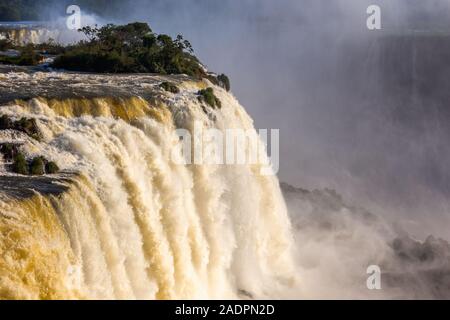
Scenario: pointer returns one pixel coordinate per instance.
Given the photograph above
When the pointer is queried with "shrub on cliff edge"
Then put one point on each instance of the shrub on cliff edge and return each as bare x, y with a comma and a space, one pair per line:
207, 96
20, 164
51, 168
37, 166
130, 48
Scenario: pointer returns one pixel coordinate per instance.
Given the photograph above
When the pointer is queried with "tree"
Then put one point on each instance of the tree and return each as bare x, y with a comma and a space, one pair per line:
130, 48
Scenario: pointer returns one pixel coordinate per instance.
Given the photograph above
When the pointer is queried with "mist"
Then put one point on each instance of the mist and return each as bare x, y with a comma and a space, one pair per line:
348, 101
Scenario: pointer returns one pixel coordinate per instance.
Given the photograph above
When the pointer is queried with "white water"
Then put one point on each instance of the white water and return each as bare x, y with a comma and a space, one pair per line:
138, 226
22, 33
34, 36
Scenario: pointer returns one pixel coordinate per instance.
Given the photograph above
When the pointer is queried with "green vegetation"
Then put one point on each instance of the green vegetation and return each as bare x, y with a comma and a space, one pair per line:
207, 96
30, 54
51, 168
170, 87
20, 164
27, 57
27, 126
132, 48
10, 151
224, 82
50, 47
221, 80
37, 166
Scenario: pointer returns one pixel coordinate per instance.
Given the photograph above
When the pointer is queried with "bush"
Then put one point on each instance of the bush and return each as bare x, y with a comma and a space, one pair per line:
170, 87
129, 49
224, 82
51, 168
28, 126
51, 47
37, 166
207, 96
28, 57
20, 164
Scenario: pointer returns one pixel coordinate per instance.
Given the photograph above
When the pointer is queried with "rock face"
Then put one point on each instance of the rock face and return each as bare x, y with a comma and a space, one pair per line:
25, 187
425, 267
27, 126
337, 242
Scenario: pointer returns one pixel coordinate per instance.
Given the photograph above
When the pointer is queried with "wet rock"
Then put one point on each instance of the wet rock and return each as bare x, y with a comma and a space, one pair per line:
207, 96
51, 168
27, 126
170, 87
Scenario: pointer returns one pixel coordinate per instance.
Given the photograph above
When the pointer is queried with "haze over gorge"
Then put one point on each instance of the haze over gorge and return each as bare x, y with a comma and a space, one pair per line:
93, 205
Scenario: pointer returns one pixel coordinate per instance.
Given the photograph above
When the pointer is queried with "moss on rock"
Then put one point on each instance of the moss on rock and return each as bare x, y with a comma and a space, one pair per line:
25, 125
37, 166
207, 96
51, 168
20, 164
224, 81
170, 87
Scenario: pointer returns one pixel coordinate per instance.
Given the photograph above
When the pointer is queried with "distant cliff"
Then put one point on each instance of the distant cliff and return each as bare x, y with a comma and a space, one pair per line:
337, 242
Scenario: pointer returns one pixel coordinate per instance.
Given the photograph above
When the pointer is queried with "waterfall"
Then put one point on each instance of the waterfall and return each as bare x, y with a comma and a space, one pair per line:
29, 35
132, 224
40, 32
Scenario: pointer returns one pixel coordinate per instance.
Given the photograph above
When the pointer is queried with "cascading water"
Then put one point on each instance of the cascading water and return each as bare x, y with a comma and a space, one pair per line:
23, 33
130, 223
29, 35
